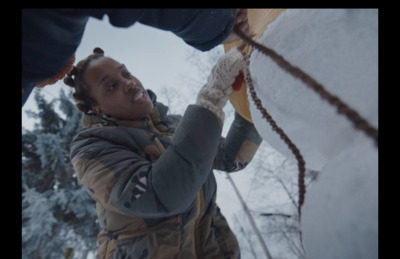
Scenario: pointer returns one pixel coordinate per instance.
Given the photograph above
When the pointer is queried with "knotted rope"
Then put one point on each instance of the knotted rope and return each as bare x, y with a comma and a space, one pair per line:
301, 164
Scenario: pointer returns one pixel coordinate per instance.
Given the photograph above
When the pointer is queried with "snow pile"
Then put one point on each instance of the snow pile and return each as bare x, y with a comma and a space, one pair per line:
339, 49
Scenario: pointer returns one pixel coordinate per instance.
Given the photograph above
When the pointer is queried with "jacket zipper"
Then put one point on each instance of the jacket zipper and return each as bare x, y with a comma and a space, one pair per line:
179, 227
196, 230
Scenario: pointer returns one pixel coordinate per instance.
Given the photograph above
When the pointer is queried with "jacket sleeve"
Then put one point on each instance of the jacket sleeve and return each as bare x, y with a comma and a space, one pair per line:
123, 181
203, 29
239, 147
49, 39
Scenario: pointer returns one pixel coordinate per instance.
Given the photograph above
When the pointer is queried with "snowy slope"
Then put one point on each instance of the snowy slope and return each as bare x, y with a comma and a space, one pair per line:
338, 48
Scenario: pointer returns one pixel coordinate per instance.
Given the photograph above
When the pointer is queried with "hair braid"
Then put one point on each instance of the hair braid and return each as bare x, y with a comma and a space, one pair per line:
74, 79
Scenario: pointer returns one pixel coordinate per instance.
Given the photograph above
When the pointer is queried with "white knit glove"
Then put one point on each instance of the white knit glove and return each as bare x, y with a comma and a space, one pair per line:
215, 94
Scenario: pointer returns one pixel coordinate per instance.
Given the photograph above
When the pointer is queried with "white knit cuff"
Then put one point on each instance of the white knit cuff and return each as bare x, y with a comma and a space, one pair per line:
215, 94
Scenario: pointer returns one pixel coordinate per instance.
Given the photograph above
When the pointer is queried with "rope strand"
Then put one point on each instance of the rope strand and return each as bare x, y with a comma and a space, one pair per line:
301, 164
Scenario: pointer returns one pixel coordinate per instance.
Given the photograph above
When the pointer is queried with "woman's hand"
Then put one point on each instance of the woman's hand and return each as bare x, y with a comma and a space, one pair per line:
215, 94
242, 23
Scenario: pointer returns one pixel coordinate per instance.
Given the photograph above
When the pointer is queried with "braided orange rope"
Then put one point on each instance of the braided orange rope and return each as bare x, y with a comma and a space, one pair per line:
301, 164
60, 75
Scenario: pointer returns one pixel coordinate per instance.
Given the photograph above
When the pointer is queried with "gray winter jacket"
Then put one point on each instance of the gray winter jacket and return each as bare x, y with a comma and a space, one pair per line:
153, 181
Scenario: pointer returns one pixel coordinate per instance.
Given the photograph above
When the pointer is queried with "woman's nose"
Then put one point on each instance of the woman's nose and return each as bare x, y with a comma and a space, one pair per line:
129, 85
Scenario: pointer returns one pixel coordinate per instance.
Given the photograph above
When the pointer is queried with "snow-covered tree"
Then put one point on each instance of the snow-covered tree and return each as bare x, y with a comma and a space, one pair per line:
273, 203
57, 213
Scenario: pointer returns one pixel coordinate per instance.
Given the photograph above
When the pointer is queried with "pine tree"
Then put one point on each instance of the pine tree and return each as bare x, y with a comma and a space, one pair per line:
57, 212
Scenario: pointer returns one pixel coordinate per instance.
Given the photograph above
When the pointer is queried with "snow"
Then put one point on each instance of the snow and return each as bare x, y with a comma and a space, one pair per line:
339, 49
344, 204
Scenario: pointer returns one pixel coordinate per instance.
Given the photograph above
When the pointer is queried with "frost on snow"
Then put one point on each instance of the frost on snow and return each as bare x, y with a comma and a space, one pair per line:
339, 49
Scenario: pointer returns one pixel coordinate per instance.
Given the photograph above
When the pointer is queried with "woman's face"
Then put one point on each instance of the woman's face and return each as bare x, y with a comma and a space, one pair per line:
117, 93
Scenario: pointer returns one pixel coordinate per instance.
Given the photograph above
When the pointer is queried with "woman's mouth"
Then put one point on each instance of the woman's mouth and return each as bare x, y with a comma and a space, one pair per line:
139, 96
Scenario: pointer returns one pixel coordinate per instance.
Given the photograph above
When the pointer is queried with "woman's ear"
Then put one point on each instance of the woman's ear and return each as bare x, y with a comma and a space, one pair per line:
96, 109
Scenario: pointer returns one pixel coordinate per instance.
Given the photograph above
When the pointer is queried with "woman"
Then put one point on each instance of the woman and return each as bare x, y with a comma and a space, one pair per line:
151, 173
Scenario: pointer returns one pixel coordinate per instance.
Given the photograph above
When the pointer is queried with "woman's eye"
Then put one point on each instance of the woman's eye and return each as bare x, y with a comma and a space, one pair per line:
111, 87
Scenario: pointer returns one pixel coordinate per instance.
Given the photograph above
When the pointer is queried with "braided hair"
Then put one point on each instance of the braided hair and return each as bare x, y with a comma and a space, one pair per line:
84, 102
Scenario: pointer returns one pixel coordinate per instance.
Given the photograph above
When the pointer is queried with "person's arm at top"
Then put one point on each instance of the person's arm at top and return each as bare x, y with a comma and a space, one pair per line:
202, 29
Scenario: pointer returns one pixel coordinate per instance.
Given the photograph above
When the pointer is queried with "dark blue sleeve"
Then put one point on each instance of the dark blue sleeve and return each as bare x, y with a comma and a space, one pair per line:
49, 39
203, 29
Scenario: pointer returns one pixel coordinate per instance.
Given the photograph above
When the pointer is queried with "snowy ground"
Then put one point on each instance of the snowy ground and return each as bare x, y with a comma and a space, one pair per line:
338, 48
